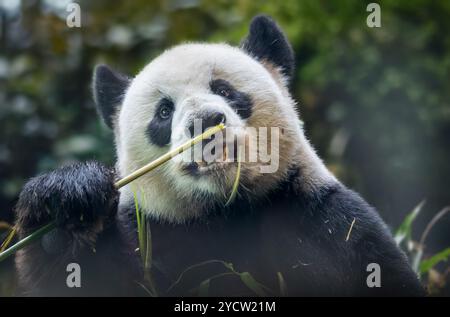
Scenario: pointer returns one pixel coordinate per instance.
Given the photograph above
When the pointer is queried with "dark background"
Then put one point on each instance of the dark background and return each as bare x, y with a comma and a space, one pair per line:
375, 101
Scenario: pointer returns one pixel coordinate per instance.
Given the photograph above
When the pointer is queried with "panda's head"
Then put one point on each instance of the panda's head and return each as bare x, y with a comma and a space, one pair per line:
243, 87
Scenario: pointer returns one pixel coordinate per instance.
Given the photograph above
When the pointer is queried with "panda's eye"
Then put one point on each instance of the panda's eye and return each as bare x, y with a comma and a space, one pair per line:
165, 109
222, 88
165, 112
224, 92
236, 99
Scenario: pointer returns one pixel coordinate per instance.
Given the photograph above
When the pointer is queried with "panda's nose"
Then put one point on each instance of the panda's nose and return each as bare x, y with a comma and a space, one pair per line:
207, 120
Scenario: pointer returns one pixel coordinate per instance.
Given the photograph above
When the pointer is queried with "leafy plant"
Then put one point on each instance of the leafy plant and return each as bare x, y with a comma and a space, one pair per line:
282, 283
145, 247
9, 236
245, 277
404, 231
422, 266
427, 264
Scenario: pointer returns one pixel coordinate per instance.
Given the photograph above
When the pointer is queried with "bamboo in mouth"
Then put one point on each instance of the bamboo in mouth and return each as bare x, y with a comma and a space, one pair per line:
168, 156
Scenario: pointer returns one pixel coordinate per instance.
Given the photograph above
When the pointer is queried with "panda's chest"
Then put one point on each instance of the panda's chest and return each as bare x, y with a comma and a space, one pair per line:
261, 243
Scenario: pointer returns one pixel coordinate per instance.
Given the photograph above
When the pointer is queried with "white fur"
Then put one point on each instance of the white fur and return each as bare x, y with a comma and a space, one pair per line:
184, 74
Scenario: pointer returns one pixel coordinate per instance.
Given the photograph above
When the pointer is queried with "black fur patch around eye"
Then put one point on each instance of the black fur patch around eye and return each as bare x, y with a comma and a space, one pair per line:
160, 129
239, 101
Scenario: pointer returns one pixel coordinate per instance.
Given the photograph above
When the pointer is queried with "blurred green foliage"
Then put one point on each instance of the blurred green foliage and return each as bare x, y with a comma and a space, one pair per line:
375, 101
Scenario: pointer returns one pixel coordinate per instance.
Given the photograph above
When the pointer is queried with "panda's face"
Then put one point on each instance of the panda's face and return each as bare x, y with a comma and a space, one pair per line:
188, 89
188, 86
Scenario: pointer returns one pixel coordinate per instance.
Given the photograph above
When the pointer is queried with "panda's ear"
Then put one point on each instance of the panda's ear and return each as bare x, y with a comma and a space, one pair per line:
267, 42
109, 88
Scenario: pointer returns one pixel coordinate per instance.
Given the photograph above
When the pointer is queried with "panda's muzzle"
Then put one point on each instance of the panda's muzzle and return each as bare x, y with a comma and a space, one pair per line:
213, 153
206, 120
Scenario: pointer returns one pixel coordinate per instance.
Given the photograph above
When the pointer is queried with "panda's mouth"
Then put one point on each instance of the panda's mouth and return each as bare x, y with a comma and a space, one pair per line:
213, 163
201, 168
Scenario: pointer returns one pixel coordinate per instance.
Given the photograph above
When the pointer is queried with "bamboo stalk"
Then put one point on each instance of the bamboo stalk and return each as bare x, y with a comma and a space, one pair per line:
169, 155
8, 239
119, 184
27, 240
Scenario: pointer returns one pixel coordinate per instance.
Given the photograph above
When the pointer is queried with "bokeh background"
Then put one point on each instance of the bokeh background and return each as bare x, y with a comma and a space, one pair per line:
375, 101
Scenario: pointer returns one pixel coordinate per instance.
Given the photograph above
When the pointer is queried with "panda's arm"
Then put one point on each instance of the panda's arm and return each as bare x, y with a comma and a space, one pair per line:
82, 200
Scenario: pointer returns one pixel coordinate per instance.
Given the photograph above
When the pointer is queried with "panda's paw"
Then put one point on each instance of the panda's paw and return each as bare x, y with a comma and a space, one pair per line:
77, 197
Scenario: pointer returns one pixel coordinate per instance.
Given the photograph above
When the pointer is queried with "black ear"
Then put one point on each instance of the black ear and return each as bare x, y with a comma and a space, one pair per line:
109, 88
266, 41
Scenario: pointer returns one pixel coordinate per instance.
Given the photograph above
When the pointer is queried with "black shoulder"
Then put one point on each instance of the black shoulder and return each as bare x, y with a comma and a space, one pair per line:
340, 221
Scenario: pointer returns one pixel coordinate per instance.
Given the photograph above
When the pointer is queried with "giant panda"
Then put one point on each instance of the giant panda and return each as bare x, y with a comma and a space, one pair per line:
295, 231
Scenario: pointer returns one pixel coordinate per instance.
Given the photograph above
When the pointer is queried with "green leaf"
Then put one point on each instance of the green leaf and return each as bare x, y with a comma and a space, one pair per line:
282, 283
404, 231
252, 284
203, 289
8, 239
140, 219
416, 260
234, 190
429, 263
148, 244
194, 266
229, 266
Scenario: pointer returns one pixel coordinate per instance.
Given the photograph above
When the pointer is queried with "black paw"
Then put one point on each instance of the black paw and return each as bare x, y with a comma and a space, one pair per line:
76, 196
